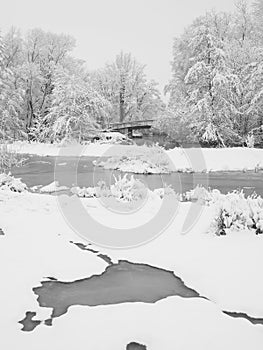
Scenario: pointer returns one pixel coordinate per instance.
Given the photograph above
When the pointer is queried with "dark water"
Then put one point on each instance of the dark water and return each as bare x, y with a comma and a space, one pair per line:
119, 283
135, 346
253, 320
40, 171
28, 323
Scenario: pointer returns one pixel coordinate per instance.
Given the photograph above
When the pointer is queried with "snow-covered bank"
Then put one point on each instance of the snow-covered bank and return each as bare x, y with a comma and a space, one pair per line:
227, 270
217, 159
192, 159
48, 149
234, 211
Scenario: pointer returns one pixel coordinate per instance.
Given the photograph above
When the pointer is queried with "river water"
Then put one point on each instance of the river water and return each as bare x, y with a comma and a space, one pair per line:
40, 171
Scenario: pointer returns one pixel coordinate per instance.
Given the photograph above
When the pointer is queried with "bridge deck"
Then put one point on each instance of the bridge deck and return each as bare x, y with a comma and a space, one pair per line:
135, 124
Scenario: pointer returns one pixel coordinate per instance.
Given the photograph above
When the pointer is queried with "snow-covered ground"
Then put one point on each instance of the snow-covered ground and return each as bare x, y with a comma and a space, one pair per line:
36, 245
48, 149
192, 159
217, 159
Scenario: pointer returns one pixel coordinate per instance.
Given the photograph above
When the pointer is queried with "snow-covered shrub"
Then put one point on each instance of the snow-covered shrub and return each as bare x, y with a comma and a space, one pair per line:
8, 182
167, 191
67, 141
256, 207
109, 164
156, 155
125, 189
141, 166
202, 195
140, 160
128, 188
85, 192
235, 212
112, 137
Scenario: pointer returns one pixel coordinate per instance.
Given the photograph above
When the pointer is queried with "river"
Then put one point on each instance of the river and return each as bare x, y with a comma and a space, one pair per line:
40, 171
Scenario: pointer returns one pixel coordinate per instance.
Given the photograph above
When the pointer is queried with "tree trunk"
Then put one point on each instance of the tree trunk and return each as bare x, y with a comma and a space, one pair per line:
30, 109
122, 100
30, 114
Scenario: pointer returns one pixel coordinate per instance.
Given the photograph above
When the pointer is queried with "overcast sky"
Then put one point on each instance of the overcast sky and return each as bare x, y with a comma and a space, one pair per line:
103, 28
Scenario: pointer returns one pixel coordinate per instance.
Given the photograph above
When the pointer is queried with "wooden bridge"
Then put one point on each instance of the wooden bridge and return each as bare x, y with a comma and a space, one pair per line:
131, 125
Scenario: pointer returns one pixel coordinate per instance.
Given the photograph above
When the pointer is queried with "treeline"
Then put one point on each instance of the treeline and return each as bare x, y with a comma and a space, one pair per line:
47, 94
215, 94
216, 90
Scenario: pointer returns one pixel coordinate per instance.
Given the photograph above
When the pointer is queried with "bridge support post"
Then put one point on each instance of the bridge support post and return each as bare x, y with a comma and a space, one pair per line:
130, 133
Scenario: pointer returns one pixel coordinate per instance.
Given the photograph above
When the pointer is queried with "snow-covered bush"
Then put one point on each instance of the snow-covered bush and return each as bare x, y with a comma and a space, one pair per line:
124, 189
202, 195
140, 160
85, 192
168, 191
112, 137
8, 182
235, 212
67, 141
128, 189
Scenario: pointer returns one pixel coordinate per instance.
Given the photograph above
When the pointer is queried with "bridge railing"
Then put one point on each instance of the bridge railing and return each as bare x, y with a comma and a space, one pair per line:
132, 123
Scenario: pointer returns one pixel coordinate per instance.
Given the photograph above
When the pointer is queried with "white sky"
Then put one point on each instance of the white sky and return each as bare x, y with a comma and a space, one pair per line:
103, 28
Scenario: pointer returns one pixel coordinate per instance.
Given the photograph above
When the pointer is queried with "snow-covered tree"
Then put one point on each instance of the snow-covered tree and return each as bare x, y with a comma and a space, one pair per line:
174, 122
41, 53
76, 108
257, 12
244, 56
13, 42
208, 81
124, 84
10, 100
217, 71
